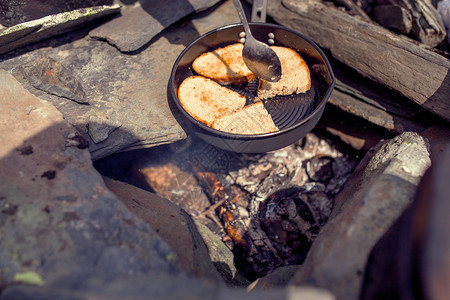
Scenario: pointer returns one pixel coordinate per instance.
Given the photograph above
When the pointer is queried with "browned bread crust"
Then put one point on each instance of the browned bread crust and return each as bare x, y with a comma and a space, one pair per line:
225, 65
206, 100
225, 110
295, 76
252, 119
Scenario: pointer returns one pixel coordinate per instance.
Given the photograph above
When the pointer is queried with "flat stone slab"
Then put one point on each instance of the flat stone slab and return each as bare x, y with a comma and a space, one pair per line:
32, 31
127, 94
52, 77
145, 19
24, 11
57, 218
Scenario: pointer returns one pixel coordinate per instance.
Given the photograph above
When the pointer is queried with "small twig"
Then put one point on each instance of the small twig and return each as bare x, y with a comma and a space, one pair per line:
211, 209
214, 218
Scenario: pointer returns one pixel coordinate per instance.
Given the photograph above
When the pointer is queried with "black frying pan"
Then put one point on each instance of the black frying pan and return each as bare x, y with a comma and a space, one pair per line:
295, 115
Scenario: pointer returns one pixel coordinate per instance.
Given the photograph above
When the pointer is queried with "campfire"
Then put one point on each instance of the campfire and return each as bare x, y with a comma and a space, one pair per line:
268, 208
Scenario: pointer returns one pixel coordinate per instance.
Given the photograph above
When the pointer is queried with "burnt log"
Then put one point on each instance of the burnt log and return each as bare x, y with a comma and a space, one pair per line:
426, 24
376, 103
393, 17
413, 71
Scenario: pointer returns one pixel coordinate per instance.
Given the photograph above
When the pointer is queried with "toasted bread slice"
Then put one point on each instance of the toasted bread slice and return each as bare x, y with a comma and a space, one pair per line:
206, 100
295, 76
225, 65
252, 119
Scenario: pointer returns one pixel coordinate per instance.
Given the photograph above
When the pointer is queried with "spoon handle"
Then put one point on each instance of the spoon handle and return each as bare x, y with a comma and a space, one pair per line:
240, 10
259, 11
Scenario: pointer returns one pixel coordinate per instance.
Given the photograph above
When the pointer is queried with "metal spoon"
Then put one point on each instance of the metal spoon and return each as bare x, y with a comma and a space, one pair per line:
258, 57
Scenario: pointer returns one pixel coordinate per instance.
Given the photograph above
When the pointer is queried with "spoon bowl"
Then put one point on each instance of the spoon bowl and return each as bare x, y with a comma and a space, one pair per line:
259, 57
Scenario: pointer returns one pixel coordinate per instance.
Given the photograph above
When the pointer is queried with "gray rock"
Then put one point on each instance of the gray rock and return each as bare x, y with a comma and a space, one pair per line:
221, 256
9, 35
58, 221
159, 286
100, 128
13, 13
36, 30
379, 190
438, 136
415, 251
144, 20
52, 77
129, 89
278, 278
172, 224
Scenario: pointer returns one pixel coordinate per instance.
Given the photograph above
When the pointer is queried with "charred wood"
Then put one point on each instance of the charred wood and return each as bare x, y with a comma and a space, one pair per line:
378, 54
393, 17
426, 23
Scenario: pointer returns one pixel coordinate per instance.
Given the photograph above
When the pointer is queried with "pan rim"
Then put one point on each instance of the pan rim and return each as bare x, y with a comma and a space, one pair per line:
237, 136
